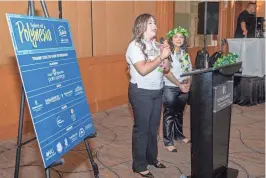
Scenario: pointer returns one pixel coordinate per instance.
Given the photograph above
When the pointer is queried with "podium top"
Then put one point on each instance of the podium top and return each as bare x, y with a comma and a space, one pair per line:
225, 70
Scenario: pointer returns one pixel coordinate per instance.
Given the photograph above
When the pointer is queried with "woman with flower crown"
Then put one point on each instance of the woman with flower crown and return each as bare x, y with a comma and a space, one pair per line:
176, 89
146, 62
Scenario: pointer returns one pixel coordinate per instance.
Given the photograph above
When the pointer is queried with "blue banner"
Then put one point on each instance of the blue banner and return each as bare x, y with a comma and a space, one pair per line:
52, 82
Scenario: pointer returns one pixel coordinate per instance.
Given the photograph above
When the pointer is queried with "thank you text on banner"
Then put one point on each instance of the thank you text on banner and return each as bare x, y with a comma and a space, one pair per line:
52, 83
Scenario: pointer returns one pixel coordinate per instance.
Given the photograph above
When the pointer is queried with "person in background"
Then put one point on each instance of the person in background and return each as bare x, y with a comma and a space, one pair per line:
147, 60
246, 22
176, 89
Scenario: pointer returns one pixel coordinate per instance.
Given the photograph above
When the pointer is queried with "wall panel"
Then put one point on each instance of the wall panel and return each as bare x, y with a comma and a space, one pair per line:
6, 49
99, 28
79, 16
144, 7
164, 17
113, 22
84, 45
119, 26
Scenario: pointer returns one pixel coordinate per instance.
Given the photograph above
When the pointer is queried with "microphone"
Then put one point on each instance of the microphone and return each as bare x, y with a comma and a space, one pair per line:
169, 57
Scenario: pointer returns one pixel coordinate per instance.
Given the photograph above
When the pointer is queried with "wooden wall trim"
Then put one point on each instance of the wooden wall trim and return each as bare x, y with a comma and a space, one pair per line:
164, 17
230, 19
226, 21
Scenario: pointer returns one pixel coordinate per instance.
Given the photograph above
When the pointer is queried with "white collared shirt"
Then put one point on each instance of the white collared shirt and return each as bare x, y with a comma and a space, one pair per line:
151, 81
176, 68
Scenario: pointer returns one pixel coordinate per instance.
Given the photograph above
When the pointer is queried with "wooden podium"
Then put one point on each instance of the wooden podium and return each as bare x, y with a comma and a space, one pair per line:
211, 98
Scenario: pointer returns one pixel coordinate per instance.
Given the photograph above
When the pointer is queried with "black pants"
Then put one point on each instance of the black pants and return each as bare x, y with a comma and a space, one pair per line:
174, 101
146, 105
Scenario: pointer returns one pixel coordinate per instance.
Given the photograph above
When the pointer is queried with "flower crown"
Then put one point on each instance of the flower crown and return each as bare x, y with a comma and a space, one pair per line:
174, 31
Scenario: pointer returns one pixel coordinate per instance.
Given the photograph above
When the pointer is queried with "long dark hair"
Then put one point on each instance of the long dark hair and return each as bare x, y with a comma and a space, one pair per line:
140, 26
183, 47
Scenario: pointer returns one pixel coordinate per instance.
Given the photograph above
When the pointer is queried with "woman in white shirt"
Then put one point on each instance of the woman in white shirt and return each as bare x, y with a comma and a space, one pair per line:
146, 60
176, 89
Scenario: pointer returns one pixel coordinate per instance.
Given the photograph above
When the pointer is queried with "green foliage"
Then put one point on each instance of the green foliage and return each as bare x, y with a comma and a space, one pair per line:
174, 31
226, 60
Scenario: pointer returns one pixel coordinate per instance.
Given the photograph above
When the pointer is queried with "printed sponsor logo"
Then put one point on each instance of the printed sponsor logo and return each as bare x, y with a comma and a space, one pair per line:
55, 75
78, 90
66, 142
69, 128
37, 107
33, 33
63, 34
59, 147
68, 93
81, 132
52, 99
59, 121
64, 107
87, 127
74, 137
62, 31
50, 153
73, 115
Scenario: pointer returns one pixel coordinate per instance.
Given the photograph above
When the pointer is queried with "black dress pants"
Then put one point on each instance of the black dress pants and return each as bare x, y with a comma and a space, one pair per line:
146, 106
174, 101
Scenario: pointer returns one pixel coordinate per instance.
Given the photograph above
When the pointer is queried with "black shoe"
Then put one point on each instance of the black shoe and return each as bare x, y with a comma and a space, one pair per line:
171, 148
159, 165
149, 175
174, 151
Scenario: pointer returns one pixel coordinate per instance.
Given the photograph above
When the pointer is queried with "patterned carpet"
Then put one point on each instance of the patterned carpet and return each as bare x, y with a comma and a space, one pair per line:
112, 149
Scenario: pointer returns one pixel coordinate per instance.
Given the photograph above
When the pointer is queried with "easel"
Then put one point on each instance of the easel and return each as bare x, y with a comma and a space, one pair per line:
31, 12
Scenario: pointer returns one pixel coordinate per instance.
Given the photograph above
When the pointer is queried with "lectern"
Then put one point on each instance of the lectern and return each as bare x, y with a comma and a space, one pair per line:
211, 98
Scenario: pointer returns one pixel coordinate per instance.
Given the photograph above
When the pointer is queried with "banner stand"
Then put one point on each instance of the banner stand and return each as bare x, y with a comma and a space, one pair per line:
31, 12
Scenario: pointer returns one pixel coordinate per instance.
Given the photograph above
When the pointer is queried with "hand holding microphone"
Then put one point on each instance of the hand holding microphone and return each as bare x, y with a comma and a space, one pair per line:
166, 48
165, 54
